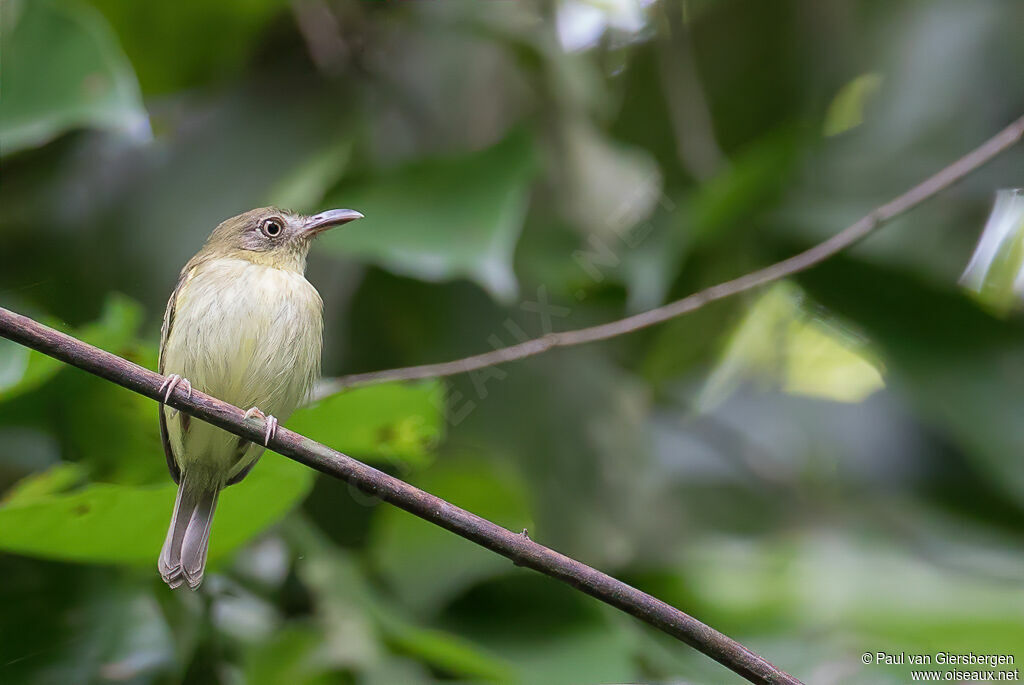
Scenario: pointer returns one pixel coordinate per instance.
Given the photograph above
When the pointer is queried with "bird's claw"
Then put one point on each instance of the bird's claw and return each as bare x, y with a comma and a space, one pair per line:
271, 430
271, 423
173, 381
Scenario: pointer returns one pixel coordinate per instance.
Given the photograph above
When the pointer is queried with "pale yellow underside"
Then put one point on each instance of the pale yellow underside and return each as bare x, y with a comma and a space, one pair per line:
250, 335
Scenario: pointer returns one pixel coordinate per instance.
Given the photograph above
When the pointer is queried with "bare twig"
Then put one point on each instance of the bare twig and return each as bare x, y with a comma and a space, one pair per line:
516, 546
846, 238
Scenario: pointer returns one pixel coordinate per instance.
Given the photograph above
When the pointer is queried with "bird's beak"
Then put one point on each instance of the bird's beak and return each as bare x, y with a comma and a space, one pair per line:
325, 220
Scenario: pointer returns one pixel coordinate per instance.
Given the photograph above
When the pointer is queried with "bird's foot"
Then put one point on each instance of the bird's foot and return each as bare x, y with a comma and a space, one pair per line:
172, 382
271, 423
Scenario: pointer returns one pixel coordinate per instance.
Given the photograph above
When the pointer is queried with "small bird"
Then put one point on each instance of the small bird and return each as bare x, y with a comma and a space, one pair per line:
244, 325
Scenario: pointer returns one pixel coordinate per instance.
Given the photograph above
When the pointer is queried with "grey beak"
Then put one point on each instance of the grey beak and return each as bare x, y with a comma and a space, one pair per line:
332, 217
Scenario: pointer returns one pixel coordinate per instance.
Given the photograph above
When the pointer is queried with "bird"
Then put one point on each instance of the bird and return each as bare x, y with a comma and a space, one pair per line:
244, 325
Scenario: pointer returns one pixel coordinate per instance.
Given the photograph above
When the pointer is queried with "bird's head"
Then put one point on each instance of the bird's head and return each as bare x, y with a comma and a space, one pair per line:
273, 237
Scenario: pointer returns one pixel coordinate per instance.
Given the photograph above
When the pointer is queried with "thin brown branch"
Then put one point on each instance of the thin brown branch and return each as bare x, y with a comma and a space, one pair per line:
516, 546
846, 238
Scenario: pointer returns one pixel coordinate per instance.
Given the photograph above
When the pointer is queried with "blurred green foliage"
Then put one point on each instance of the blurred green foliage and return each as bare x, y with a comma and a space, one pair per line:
470, 233
826, 468
64, 70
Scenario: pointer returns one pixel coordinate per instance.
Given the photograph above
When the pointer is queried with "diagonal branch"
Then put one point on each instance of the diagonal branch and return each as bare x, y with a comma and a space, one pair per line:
518, 547
846, 238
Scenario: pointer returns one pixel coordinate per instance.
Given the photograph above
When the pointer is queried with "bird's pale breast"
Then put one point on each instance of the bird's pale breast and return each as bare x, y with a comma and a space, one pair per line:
249, 334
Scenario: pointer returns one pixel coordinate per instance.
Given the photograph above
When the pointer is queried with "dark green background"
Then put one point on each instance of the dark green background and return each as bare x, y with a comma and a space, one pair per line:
743, 463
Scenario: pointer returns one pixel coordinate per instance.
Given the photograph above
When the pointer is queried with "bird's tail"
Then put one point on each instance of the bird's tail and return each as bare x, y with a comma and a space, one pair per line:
183, 558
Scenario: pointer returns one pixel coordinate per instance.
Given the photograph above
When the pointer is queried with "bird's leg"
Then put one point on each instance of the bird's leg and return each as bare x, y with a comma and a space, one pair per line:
271, 423
172, 382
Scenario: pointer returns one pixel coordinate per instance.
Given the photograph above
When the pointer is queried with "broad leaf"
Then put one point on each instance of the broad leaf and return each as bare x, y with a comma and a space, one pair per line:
106, 523
847, 109
779, 344
22, 369
381, 422
442, 219
63, 69
126, 521
187, 43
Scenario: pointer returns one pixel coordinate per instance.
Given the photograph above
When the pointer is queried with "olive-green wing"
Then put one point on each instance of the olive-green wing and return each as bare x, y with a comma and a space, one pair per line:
172, 465
165, 332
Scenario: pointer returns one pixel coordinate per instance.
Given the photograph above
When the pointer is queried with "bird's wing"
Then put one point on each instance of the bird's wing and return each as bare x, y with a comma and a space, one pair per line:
172, 304
165, 333
172, 465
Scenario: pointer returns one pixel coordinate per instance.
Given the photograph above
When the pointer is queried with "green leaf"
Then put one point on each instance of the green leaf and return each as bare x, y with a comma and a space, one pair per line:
589, 654
63, 69
303, 189
83, 411
993, 273
38, 486
754, 181
190, 42
390, 421
88, 410
292, 655
125, 521
442, 649
443, 219
847, 109
780, 345
105, 523
675, 351
117, 326
550, 633
22, 369
960, 366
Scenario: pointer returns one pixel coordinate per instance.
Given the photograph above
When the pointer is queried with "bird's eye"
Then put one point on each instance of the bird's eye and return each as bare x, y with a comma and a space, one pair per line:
272, 228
